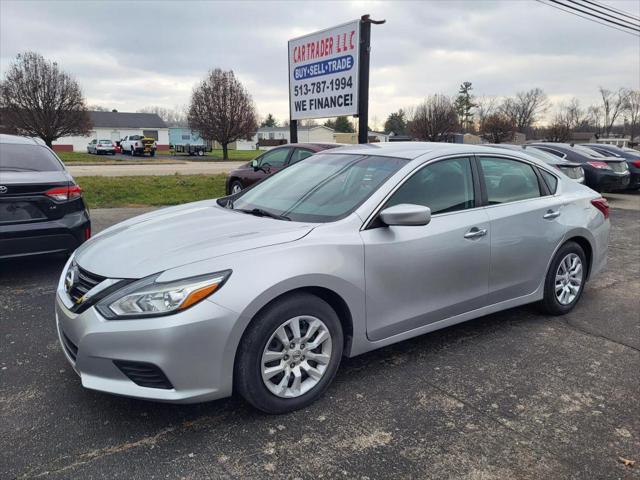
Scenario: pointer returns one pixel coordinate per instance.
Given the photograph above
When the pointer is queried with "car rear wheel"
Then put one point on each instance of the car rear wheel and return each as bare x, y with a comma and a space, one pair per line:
289, 354
133, 152
565, 280
236, 187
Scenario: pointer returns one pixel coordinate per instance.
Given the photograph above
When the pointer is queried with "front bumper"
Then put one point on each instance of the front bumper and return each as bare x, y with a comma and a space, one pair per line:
191, 349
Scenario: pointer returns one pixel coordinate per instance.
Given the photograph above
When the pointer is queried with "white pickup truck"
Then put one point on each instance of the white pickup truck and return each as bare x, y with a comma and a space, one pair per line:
138, 145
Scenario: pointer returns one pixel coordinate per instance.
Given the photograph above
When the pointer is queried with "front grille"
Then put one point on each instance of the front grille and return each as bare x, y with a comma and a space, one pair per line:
86, 281
70, 347
618, 167
144, 374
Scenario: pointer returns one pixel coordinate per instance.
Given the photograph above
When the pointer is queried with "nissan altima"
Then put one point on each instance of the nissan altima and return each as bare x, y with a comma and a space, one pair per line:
263, 292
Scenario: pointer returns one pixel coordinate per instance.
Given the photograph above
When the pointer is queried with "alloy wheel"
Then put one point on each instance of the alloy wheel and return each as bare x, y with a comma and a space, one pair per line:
569, 278
296, 356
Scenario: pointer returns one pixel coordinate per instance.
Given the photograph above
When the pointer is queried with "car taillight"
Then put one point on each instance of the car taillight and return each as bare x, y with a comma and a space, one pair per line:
601, 165
63, 194
635, 163
602, 205
87, 233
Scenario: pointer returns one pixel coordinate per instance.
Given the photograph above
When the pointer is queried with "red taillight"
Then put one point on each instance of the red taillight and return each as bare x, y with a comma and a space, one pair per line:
602, 205
602, 165
87, 233
63, 194
636, 163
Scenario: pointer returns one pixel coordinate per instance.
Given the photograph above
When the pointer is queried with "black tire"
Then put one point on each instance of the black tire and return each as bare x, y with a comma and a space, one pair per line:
133, 152
235, 183
152, 153
550, 304
247, 372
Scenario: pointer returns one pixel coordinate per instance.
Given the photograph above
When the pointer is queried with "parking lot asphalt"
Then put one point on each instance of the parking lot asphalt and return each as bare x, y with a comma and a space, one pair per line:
510, 395
182, 168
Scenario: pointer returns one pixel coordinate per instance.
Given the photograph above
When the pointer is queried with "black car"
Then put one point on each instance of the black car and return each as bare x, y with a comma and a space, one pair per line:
41, 207
602, 173
572, 170
632, 157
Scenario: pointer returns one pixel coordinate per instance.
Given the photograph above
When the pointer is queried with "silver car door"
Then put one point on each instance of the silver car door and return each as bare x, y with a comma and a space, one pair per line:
417, 275
526, 226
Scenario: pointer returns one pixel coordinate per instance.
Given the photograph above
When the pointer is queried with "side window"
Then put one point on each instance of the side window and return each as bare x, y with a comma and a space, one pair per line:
444, 186
550, 180
299, 154
275, 158
508, 180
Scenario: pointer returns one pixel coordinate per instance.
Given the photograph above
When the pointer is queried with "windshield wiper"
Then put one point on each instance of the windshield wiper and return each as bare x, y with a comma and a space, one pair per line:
259, 212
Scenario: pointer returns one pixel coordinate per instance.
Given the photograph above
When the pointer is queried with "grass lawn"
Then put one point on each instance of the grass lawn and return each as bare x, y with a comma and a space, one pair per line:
237, 155
107, 192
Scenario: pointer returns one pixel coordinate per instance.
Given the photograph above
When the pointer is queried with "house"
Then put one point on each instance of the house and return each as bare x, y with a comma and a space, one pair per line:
116, 125
268, 137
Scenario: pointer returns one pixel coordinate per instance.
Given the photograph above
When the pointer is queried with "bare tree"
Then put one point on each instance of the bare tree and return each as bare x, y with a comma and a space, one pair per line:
434, 119
485, 106
613, 104
38, 99
498, 128
174, 117
572, 115
633, 109
558, 131
525, 108
221, 109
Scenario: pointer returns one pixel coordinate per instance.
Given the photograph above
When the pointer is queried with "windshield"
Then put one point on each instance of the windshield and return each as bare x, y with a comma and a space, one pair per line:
321, 188
27, 158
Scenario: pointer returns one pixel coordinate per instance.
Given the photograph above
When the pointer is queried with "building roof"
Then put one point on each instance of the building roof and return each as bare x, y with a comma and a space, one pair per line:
126, 120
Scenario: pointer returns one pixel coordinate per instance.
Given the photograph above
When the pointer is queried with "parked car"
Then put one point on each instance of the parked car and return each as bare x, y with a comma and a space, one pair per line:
101, 146
347, 251
631, 156
270, 162
138, 145
603, 174
572, 170
41, 206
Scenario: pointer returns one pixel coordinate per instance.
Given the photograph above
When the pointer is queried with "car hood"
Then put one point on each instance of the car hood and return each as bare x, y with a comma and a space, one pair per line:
177, 236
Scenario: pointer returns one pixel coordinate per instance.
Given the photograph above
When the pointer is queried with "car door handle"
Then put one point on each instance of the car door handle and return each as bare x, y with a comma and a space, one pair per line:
551, 214
475, 232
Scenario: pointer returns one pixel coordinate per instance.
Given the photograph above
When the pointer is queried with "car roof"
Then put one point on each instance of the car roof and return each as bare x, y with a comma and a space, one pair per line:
316, 147
17, 139
411, 150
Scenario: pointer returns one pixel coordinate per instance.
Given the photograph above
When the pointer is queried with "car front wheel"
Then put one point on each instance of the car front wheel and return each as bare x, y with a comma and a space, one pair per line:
289, 354
565, 279
236, 187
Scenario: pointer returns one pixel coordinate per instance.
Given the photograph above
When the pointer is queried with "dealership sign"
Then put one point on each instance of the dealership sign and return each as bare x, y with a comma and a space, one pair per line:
323, 72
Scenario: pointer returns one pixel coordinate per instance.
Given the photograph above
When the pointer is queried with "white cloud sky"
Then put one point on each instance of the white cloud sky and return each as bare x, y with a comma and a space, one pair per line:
128, 55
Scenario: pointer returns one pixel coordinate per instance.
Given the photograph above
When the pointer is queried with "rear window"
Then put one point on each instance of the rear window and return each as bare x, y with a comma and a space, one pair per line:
105, 142
27, 158
588, 152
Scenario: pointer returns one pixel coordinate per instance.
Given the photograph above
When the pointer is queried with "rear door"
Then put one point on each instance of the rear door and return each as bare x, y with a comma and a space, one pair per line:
27, 173
526, 224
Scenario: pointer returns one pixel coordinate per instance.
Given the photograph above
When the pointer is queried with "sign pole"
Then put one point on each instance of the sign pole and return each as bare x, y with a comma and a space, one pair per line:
363, 83
293, 131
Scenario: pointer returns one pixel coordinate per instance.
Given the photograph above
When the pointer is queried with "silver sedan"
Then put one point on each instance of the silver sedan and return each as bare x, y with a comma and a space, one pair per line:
263, 292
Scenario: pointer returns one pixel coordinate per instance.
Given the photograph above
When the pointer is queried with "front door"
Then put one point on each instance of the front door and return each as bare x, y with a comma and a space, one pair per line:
416, 275
268, 164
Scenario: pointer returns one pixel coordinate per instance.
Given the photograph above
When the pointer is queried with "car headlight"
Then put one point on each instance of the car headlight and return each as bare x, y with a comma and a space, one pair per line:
148, 298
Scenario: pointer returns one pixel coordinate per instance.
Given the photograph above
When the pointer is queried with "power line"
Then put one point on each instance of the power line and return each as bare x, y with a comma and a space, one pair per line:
611, 9
586, 12
587, 18
604, 13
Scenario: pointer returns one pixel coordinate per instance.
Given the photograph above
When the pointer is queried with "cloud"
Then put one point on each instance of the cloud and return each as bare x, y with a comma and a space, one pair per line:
128, 55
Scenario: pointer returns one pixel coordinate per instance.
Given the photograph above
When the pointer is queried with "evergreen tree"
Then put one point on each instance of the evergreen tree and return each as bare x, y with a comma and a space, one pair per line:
464, 105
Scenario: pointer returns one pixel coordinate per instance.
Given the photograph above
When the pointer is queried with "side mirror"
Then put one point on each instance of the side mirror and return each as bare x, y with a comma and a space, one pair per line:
255, 164
406, 214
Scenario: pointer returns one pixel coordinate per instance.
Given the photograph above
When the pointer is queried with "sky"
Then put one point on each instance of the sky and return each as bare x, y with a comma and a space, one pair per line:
130, 55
